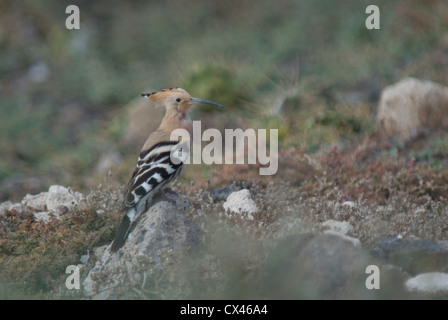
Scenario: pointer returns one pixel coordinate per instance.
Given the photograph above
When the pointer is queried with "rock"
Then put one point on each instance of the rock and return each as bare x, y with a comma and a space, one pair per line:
36, 202
329, 260
431, 282
349, 204
6, 206
15, 207
411, 107
57, 201
45, 216
177, 200
62, 196
354, 241
342, 227
240, 202
412, 255
159, 239
222, 193
327, 266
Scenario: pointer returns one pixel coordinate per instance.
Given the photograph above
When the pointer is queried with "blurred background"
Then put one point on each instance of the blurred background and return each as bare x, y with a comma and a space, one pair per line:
70, 111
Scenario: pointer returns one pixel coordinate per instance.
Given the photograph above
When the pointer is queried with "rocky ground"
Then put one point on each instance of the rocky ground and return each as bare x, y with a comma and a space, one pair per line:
181, 250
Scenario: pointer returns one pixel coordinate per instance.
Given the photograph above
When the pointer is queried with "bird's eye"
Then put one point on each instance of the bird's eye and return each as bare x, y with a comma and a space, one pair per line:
178, 99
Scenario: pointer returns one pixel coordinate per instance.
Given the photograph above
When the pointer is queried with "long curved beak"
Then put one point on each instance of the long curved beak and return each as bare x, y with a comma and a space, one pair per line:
196, 100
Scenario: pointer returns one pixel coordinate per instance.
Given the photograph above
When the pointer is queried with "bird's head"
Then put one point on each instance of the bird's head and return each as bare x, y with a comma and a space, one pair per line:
176, 98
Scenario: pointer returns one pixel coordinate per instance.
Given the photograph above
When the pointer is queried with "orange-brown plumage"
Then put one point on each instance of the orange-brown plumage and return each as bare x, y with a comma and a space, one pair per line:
154, 168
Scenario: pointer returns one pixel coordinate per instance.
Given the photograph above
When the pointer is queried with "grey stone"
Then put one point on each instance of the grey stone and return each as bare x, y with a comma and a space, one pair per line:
354, 241
160, 237
431, 282
412, 255
5, 206
327, 266
61, 196
312, 267
222, 193
36, 202
411, 107
240, 202
342, 227
44, 216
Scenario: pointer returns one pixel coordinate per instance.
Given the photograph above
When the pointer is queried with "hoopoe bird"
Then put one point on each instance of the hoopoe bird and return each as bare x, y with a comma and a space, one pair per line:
155, 168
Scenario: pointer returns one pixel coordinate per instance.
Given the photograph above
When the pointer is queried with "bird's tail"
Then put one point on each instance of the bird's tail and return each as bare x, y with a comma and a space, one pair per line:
123, 230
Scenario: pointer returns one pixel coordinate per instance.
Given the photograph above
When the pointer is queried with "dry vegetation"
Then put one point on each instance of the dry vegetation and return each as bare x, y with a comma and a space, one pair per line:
392, 196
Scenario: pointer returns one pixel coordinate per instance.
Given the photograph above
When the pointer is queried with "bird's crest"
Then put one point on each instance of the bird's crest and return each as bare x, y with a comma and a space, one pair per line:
175, 98
162, 95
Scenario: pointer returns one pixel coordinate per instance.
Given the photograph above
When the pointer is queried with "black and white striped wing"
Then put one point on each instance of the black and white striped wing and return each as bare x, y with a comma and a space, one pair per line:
154, 170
